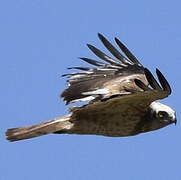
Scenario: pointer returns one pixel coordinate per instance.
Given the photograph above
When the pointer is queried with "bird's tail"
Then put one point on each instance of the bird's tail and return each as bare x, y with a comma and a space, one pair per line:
57, 124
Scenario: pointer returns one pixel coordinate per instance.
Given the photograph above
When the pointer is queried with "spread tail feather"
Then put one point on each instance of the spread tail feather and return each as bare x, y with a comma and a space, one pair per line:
57, 124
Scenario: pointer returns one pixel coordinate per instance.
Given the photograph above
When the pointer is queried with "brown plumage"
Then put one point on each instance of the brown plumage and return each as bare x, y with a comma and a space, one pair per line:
121, 95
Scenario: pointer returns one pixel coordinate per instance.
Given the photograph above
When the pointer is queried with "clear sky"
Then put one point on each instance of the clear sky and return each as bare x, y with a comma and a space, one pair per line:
39, 39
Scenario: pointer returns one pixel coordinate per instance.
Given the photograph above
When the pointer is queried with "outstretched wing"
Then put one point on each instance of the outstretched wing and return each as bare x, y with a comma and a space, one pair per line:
121, 110
113, 77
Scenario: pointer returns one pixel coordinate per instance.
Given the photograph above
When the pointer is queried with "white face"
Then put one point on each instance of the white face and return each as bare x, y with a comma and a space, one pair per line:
158, 107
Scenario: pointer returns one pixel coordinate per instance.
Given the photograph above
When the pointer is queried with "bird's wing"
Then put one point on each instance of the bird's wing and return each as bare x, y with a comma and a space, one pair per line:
129, 106
149, 94
114, 76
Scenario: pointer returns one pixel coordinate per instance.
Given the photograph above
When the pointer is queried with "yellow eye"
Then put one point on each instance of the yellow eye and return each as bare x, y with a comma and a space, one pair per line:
162, 114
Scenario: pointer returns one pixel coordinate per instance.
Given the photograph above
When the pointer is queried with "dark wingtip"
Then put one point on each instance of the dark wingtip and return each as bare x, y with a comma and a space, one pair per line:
113, 50
99, 35
119, 43
91, 61
89, 46
163, 82
152, 81
154, 84
127, 52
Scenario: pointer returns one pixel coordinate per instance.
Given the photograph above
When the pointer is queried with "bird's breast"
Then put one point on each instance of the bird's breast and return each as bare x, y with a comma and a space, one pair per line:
106, 123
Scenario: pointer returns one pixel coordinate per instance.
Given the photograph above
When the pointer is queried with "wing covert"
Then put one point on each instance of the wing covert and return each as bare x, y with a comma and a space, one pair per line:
139, 100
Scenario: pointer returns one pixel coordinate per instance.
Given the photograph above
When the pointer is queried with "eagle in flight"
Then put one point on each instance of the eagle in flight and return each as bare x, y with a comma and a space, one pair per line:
121, 97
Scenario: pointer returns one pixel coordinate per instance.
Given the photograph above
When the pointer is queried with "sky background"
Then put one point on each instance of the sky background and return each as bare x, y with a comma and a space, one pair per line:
39, 39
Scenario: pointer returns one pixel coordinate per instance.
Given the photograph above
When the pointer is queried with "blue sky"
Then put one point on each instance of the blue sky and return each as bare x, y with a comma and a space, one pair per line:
39, 39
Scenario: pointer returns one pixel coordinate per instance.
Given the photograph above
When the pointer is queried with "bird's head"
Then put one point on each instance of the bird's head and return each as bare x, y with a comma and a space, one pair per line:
161, 115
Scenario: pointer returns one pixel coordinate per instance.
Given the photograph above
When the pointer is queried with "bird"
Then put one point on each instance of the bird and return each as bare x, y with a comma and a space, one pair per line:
120, 98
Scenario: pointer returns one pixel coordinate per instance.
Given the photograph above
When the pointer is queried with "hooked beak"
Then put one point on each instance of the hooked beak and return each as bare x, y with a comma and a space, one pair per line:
175, 121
